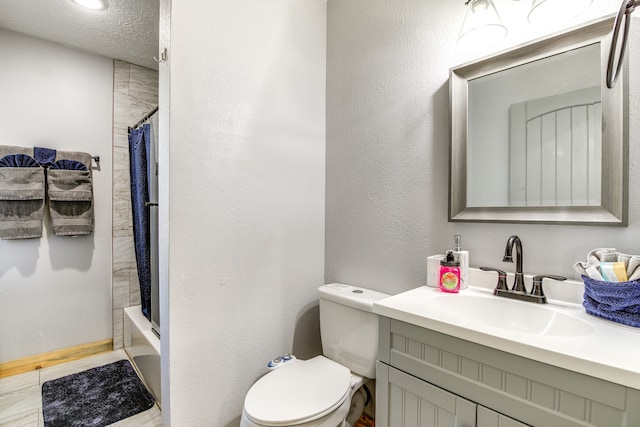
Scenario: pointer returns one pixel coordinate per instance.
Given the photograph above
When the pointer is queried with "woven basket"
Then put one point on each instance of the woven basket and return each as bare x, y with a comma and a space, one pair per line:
618, 302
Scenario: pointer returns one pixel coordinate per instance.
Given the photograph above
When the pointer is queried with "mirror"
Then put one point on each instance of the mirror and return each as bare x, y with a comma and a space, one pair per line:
536, 137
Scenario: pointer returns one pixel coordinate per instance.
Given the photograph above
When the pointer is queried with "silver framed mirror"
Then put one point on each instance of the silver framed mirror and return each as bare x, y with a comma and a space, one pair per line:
536, 137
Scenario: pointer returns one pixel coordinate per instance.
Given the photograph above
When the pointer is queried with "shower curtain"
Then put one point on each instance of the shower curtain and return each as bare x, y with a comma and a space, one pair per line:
140, 146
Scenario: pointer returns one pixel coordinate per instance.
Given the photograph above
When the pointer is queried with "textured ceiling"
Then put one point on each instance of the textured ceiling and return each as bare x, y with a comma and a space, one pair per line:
126, 30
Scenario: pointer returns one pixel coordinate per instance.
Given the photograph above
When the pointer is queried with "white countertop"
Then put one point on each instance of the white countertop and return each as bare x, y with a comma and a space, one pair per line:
610, 351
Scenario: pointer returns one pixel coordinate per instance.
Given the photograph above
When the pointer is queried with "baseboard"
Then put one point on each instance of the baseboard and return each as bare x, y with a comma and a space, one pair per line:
52, 358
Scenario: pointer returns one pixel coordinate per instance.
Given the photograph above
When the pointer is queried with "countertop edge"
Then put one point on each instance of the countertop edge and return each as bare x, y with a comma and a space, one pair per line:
622, 375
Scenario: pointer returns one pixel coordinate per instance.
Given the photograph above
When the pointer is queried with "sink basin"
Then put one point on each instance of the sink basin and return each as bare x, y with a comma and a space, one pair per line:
559, 333
506, 314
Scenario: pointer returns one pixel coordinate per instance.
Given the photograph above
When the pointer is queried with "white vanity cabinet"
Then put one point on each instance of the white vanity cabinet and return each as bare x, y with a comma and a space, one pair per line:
406, 401
411, 402
429, 379
489, 418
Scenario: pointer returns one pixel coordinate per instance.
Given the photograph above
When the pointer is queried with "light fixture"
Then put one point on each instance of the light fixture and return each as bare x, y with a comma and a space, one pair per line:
482, 25
548, 12
92, 4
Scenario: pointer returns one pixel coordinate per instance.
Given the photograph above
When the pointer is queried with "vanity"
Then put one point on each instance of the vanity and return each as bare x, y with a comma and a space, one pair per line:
475, 359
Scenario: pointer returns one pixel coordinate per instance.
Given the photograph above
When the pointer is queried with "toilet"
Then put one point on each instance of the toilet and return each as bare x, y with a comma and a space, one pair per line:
325, 391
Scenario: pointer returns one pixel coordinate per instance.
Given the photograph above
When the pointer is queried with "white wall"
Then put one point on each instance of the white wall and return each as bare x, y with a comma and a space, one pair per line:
56, 291
246, 197
164, 99
388, 143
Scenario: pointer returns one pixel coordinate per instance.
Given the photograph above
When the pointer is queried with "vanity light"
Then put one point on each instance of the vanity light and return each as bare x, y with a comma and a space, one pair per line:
482, 25
546, 12
92, 4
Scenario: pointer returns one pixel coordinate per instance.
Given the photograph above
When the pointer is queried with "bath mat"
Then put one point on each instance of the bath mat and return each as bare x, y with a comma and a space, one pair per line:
96, 397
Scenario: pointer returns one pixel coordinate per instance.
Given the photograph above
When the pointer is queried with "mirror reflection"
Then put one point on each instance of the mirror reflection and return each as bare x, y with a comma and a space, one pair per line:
544, 126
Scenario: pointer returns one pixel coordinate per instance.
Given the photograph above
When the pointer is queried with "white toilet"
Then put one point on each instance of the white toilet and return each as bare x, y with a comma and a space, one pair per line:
318, 392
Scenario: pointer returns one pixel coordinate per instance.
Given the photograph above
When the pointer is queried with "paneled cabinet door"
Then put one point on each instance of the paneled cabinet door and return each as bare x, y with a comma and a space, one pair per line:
489, 418
416, 403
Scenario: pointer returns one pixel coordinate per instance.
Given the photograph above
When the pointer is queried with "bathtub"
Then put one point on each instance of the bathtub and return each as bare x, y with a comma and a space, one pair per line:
143, 348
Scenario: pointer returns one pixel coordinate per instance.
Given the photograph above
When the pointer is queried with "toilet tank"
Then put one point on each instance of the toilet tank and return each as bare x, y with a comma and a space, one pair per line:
348, 326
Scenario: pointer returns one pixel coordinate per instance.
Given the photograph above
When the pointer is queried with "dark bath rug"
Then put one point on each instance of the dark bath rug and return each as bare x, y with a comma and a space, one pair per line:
96, 397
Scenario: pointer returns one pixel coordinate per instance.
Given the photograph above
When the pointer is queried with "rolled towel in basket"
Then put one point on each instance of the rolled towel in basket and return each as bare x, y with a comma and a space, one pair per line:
70, 192
596, 256
21, 195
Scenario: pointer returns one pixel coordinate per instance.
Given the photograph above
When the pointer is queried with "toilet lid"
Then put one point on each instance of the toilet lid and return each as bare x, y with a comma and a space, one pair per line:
303, 391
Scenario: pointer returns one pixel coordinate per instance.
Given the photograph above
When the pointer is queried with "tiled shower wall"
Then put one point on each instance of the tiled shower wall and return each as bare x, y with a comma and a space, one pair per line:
135, 93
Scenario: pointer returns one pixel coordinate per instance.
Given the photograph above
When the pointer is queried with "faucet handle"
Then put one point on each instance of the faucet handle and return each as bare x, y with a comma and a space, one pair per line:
537, 285
502, 278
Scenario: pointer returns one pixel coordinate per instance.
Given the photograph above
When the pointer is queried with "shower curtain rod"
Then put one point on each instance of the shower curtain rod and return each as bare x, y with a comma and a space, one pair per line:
144, 119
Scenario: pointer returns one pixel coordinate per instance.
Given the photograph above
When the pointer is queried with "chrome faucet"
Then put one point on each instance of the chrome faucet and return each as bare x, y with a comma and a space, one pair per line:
518, 284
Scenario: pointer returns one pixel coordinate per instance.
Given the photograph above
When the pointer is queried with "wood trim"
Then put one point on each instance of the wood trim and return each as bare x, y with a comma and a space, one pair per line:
56, 357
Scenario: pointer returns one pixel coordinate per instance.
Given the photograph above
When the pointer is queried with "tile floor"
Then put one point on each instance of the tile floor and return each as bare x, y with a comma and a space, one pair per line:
21, 397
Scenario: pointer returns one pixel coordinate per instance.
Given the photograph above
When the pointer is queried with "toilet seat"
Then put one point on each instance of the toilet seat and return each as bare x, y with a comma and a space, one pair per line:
301, 392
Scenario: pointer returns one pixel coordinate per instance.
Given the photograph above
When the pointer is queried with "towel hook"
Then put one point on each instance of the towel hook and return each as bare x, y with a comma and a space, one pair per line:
163, 56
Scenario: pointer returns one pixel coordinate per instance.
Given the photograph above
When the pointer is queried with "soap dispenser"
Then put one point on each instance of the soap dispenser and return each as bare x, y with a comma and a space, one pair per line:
449, 274
463, 258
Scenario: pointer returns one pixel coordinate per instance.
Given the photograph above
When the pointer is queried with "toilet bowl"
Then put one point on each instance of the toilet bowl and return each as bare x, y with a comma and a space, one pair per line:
308, 393
318, 392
